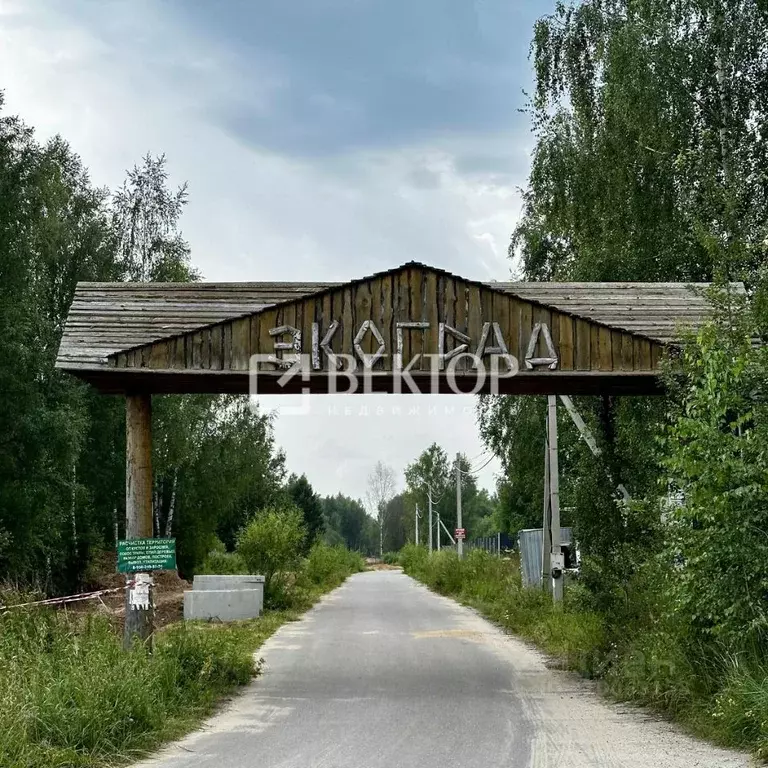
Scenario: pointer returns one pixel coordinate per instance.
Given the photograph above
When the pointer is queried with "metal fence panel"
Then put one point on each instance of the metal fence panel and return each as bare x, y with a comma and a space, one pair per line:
531, 541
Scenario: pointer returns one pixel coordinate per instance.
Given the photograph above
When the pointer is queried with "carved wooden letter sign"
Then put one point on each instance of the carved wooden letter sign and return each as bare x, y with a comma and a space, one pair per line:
322, 344
530, 360
369, 360
294, 345
413, 327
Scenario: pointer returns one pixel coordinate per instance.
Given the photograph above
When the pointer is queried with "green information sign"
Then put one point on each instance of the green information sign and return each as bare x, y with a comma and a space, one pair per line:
146, 555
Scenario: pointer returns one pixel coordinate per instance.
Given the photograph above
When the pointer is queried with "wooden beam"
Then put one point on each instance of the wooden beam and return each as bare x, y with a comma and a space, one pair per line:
138, 507
546, 382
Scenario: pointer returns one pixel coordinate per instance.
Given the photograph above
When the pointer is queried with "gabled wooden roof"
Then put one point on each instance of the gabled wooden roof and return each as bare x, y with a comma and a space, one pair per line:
199, 336
106, 318
659, 311
109, 317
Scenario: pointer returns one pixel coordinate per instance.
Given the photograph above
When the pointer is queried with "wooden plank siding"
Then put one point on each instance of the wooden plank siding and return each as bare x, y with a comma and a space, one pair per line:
409, 295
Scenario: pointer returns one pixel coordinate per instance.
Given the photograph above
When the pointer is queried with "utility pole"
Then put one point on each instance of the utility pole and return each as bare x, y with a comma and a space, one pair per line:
438, 531
546, 524
557, 561
429, 497
460, 542
139, 610
417, 525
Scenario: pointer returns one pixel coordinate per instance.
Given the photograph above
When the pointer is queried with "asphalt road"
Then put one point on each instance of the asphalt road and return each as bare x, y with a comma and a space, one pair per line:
385, 673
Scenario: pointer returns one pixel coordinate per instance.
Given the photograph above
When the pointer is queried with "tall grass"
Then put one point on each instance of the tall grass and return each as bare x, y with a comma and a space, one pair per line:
493, 586
327, 567
719, 693
70, 696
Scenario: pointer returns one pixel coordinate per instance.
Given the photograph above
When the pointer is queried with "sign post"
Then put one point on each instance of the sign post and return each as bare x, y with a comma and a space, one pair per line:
139, 618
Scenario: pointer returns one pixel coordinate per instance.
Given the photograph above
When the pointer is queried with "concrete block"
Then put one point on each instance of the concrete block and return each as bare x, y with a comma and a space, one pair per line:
223, 604
238, 581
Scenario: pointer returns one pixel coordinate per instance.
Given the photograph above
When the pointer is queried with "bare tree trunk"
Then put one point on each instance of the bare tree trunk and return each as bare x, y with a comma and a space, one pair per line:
381, 535
74, 501
155, 512
172, 505
722, 95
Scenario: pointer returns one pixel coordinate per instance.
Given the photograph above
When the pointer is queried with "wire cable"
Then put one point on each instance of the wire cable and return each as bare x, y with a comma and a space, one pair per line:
479, 455
475, 471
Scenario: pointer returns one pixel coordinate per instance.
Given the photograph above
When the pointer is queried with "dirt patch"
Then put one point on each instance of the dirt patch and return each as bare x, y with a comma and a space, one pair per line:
384, 567
169, 596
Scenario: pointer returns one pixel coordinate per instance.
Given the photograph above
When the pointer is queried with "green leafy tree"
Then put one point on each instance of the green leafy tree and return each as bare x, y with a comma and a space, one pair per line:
303, 496
477, 506
431, 470
646, 166
62, 445
648, 152
54, 231
397, 524
381, 489
514, 429
718, 505
348, 519
146, 215
271, 546
235, 469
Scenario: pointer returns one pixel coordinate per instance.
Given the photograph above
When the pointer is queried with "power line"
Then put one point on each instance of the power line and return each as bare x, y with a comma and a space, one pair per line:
437, 501
475, 471
475, 458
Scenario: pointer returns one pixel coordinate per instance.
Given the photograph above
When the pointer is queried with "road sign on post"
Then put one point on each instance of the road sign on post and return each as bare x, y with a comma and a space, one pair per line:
461, 534
141, 555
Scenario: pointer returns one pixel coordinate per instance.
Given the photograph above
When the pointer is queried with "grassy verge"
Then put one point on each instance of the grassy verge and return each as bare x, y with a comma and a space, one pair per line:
493, 587
718, 693
70, 696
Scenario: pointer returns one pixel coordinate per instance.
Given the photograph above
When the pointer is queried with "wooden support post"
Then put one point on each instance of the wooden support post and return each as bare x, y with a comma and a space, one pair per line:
139, 607
557, 565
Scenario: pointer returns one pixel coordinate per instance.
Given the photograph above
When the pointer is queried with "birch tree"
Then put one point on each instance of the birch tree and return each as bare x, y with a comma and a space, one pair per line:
381, 489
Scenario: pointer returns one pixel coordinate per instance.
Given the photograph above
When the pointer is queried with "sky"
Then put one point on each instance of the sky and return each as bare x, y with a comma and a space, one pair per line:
321, 140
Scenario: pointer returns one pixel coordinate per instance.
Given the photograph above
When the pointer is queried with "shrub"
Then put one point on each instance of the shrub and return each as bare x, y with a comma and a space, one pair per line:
715, 452
413, 557
270, 545
329, 566
223, 563
390, 558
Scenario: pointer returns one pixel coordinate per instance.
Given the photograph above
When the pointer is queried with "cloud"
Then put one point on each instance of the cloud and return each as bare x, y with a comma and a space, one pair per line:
361, 74
322, 140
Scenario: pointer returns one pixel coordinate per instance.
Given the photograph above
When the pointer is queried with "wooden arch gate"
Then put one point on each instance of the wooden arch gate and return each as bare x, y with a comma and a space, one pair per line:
410, 329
